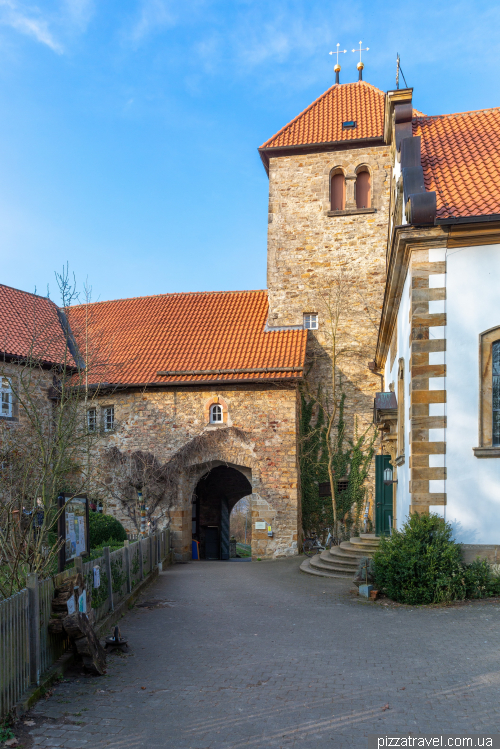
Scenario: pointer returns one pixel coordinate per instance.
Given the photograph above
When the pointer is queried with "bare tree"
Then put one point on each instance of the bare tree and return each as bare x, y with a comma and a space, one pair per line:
46, 447
123, 474
127, 474
336, 373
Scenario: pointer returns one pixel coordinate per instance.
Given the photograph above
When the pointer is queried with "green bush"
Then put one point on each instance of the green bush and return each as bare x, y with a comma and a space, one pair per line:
105, 528
422, 564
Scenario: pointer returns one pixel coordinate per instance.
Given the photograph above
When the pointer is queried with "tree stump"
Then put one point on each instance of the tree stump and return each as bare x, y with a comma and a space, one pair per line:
79, 629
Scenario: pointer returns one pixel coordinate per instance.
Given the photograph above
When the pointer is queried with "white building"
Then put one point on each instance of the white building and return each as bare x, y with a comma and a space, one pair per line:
439, 338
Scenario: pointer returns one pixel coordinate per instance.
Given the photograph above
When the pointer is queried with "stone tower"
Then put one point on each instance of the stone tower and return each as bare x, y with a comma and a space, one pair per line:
329, 185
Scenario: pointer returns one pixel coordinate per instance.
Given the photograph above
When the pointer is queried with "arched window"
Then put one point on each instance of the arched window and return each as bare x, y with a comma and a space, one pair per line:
216, 413
496, 393
363, 188
337, 190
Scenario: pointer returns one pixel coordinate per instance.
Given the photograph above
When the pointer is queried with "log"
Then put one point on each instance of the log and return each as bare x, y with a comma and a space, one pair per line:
55, 626
79, 629
65, 590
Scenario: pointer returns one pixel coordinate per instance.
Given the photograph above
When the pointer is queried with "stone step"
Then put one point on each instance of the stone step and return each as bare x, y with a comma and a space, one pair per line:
364, 543
348, 550
348, 565
306, 567
347, 562
318, 565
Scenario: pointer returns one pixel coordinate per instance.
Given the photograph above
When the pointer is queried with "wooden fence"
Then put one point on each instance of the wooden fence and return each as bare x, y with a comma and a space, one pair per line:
27, 649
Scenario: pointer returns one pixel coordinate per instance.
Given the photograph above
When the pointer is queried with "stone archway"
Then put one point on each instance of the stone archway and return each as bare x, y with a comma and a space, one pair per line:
215, 495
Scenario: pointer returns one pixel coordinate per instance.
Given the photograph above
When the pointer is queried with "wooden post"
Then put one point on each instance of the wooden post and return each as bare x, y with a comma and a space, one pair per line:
141, 562
126, 554
107, 564
79, 565
61, 532
34, 626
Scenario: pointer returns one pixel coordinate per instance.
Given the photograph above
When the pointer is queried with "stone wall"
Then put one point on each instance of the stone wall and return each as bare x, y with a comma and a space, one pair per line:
308, 244
30, 384
260, 440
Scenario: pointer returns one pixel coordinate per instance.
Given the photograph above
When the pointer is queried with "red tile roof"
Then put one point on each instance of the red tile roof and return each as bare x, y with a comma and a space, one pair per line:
185, 332
461, 161
30, 326
322, 121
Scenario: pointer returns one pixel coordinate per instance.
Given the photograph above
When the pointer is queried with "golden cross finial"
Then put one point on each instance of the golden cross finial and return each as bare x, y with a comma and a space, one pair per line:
338, 52
360, 50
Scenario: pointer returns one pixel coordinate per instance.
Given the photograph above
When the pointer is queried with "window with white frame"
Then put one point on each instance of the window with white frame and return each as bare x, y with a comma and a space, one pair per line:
92, 419
6, 398
311, 322
216, 413
108, 418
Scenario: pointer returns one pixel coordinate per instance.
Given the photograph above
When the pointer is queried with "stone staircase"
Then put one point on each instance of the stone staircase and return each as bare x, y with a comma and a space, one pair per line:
341, 561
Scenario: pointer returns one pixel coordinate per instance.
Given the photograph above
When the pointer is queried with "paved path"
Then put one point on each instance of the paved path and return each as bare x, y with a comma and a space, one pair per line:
258, 655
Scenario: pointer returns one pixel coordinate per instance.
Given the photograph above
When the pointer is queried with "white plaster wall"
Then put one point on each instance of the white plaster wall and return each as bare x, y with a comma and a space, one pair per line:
472, 306
391, 375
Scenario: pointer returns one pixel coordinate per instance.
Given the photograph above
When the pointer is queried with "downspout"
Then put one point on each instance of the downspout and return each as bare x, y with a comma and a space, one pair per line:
373, 369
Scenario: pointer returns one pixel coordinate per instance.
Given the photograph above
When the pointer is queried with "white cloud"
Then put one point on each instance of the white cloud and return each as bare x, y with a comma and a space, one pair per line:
66, 16
28, 21
154, 15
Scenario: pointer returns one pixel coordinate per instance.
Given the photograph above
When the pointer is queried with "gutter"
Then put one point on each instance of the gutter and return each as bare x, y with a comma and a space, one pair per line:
109, 386
255, 370
467, 219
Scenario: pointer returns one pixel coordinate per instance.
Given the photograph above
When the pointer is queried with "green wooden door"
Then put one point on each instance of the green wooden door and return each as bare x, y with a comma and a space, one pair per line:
383, 496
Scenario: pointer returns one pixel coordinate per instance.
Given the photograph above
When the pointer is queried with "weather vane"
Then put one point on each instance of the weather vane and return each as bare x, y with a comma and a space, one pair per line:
360, 64
398, 70
337, 66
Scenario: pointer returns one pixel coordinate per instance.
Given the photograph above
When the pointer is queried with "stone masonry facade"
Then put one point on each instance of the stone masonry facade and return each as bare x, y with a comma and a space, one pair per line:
308, 244
262, 446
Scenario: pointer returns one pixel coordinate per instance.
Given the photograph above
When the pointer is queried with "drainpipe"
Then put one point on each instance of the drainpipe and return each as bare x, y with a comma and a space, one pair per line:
373, 369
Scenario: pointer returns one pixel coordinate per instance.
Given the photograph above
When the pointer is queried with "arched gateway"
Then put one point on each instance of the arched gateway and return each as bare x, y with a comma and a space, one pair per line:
215, 495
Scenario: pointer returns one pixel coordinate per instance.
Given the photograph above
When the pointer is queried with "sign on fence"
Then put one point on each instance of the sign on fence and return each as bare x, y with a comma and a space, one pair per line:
73, 527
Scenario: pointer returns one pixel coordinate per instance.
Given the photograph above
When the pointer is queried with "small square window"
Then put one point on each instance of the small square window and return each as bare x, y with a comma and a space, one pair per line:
311, 322
92, 419
109, 418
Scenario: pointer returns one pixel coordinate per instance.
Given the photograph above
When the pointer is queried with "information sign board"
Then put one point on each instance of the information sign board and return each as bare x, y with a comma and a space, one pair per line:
73, 527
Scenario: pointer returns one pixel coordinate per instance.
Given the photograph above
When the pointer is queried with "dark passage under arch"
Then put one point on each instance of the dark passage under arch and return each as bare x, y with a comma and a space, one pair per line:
215, 495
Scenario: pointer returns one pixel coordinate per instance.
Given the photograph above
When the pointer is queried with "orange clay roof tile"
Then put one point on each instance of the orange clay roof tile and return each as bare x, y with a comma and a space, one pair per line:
30, 326
322, 121
178, 332
461, 161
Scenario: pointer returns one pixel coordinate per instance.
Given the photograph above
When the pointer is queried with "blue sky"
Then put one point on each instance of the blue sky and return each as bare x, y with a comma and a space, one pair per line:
129, 128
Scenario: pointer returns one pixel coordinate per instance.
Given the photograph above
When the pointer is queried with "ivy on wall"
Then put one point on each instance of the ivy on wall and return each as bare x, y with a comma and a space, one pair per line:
350, 463
317, 511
